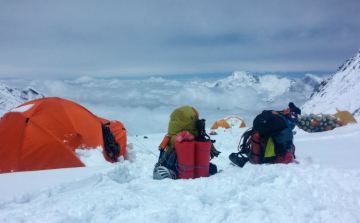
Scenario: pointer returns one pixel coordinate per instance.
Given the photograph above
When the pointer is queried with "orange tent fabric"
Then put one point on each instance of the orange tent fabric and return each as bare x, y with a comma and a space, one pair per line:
345, 117
222, 123
233, 117
229, 122
44, 134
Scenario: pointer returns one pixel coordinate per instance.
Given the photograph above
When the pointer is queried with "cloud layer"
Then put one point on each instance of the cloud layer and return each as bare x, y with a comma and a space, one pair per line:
144, 106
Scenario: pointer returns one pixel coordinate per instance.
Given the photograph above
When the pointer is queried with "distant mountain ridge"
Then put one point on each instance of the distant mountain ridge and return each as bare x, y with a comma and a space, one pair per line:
241, 78
13, 97
270, 85
341, 90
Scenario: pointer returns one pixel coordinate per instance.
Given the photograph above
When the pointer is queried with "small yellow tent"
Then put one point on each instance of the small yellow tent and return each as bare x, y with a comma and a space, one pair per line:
229, 122
235, 121
345, 117
221, 123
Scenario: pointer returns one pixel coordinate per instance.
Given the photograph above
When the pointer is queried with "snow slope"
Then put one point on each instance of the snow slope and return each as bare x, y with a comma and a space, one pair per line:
342, 90
324, 187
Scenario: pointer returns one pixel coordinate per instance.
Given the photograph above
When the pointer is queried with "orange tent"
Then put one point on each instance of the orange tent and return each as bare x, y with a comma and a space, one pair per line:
345, 117
235, 121
221, 123
44, 134
229, 122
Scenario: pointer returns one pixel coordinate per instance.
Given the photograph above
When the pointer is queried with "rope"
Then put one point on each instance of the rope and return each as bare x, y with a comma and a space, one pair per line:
188, 167
143, 147
183, 166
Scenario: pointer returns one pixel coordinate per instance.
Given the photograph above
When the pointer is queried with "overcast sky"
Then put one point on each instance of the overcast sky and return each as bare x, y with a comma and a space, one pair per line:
69, 39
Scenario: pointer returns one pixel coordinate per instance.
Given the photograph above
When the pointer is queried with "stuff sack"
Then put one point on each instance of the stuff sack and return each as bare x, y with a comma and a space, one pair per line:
185, 152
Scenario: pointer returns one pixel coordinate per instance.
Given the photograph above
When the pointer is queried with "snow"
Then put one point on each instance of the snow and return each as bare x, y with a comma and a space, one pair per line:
23, 108
322, 188
92, 157
274, 85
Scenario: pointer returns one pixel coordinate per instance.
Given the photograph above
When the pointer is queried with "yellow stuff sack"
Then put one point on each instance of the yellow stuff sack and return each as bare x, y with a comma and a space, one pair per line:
270, 148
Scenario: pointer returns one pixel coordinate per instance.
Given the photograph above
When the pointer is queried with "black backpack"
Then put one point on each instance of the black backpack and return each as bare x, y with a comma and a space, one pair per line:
112, 147
269, 122
278, 125
275, 124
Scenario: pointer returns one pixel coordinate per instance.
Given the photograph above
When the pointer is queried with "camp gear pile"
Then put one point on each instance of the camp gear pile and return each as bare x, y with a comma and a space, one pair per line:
325, 122
318, 123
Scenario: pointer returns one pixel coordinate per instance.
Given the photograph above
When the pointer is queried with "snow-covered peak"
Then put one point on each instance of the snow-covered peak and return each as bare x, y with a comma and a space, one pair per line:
238, 78
269, 86
274, 85
13, 97
341, 90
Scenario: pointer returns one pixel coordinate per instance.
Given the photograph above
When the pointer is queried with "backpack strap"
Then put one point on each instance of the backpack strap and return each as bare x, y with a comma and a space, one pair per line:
245, 139
197, 115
